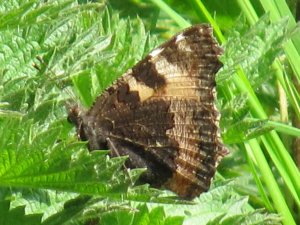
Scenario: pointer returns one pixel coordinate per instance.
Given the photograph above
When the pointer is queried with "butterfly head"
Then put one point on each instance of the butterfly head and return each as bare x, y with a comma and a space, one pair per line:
87, 128
74, 117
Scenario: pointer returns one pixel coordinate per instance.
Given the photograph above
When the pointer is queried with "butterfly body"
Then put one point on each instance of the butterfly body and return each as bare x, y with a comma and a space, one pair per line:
161, 113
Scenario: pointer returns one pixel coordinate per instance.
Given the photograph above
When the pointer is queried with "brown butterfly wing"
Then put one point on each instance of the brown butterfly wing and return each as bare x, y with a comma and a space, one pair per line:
162, 114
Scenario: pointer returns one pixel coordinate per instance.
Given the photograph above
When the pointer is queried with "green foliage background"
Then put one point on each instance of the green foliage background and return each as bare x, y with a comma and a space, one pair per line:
58, 51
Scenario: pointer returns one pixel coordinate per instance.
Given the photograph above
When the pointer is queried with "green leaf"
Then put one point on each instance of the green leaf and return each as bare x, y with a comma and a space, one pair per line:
254, 51
17, 215
245, 130
222, 203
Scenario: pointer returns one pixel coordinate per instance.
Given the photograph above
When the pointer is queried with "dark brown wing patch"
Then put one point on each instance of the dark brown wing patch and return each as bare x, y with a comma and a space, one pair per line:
162, 114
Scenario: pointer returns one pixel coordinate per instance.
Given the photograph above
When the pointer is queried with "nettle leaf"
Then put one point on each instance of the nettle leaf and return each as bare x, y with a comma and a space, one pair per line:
238, 126
244, 130
22, 72
70, 210
221, 205
141, 215
234, 110
17, 215
34, 12
64, 168
254, 51
254, 218
38, 201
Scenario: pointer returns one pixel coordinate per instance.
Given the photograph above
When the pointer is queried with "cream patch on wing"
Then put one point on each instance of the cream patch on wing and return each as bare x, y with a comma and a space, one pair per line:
179, 83
143, 90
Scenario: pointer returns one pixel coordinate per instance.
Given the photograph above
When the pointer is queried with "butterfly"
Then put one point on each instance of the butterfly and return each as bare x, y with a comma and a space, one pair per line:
161, 113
